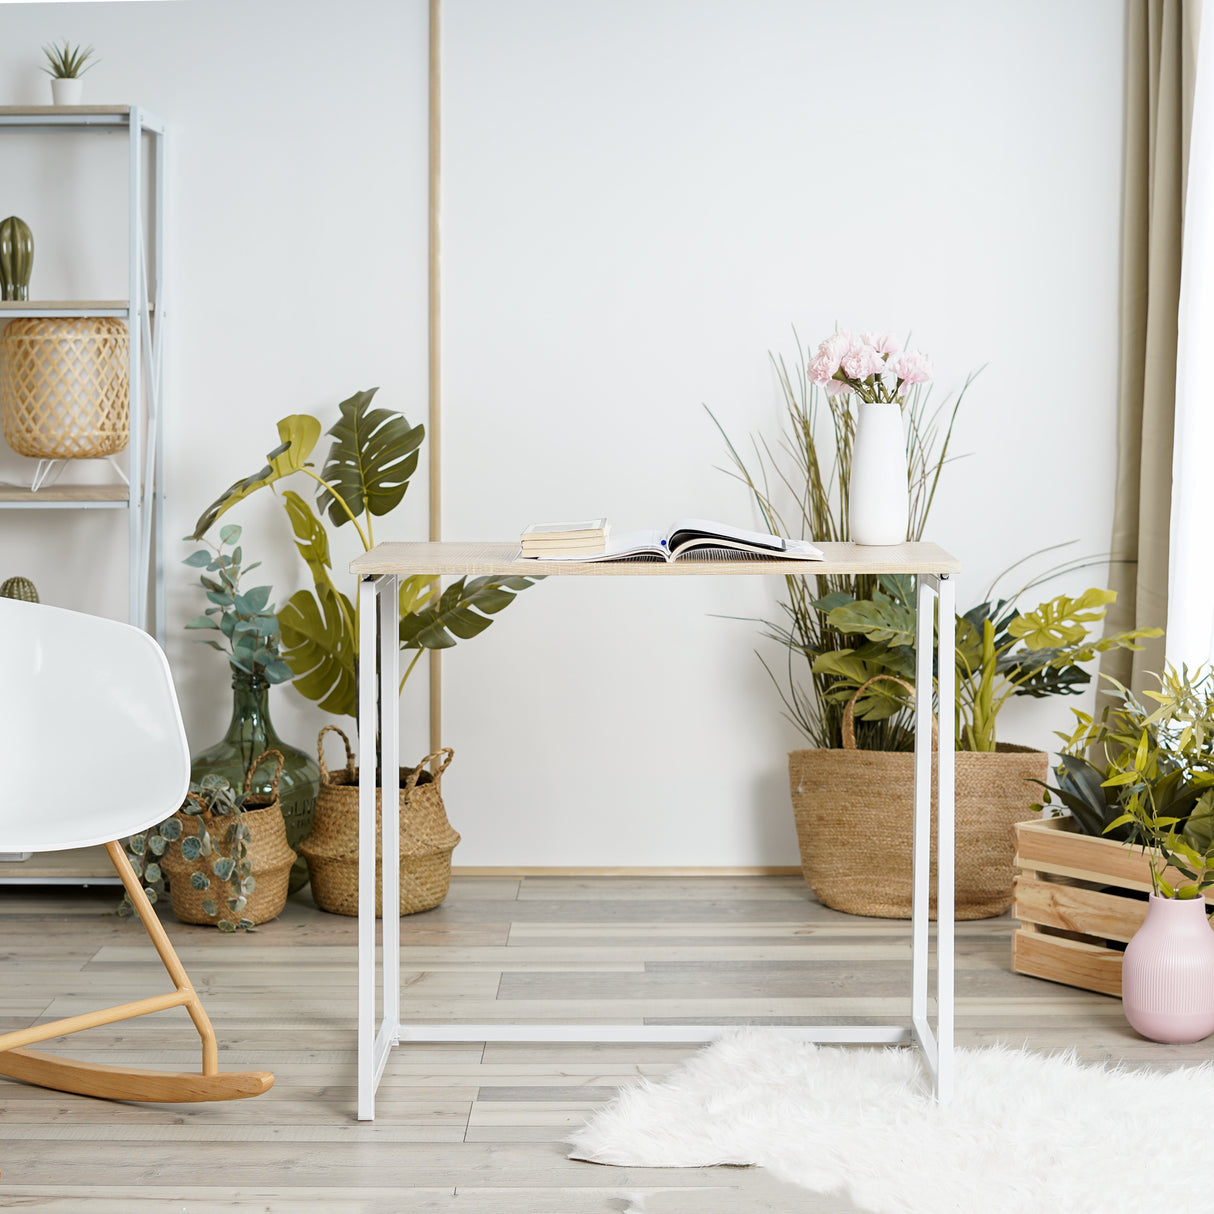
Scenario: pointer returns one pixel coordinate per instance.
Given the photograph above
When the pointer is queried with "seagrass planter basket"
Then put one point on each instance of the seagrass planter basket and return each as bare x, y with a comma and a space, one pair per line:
64, 386
427, 839
854, 814
267, 850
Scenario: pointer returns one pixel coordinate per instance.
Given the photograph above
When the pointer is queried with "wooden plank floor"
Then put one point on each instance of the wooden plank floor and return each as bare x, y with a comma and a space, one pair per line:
464, 1128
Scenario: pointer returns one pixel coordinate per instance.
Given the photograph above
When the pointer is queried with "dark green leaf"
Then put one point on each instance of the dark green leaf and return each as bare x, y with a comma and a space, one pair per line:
372, 458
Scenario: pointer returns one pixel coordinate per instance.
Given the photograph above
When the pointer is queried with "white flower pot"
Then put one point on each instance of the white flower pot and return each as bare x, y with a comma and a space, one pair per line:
879, 506
67, 90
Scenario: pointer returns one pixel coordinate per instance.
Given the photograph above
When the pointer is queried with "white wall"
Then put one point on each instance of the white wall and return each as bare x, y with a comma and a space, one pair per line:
641, 199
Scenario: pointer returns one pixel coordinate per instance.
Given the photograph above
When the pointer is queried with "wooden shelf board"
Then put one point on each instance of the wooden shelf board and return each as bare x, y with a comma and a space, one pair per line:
61, 305
66, 493
20, 111
79, 866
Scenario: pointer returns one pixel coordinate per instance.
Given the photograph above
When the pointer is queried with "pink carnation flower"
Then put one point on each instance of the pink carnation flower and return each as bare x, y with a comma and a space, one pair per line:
861, 361
836, 387
883, 343
911, 367
830, 353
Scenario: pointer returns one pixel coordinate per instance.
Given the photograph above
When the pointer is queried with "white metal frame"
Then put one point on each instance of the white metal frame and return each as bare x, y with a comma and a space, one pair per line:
379, 711
145, 315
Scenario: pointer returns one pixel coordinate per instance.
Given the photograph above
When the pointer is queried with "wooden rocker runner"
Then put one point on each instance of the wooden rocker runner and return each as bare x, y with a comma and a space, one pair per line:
96, 752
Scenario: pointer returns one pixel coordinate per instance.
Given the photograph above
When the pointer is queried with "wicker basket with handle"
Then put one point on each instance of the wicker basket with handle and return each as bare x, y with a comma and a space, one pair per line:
266, 847
427, 839
854, 814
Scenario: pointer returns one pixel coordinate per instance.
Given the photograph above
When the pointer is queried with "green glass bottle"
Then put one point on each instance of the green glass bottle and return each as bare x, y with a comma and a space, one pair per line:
251, 731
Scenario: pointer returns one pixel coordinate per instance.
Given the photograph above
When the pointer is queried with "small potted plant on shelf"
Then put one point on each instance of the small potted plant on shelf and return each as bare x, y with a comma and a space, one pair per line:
1145, 771
366, 474
66, 64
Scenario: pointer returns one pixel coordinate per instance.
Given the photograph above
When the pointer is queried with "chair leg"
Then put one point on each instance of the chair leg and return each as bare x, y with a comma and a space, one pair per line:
167, 954
123, 1083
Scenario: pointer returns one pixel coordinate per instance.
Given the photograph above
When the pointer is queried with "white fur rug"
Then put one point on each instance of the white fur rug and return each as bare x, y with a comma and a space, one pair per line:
1022, 1133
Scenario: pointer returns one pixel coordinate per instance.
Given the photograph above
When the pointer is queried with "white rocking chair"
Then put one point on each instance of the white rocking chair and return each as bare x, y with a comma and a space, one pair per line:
95, 751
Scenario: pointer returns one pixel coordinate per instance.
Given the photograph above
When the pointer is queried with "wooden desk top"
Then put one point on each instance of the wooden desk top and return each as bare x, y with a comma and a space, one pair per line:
455, 559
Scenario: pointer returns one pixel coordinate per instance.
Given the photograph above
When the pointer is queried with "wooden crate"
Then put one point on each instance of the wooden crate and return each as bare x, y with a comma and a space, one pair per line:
1074, 897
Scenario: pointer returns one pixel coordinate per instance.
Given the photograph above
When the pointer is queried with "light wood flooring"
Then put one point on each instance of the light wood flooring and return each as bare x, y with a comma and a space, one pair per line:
462, 1128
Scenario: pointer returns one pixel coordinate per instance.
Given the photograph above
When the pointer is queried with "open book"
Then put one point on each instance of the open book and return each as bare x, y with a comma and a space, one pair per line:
693, 537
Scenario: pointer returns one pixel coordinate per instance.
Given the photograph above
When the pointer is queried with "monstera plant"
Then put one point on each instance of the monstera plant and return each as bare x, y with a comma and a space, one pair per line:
373, 455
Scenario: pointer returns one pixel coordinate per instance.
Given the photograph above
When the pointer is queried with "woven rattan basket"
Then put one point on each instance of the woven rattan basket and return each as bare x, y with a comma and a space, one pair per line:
854, 812
267, 850
64, 386
427, 839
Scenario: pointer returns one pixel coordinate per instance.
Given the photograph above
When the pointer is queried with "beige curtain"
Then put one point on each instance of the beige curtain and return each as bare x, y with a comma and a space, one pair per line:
1161, 63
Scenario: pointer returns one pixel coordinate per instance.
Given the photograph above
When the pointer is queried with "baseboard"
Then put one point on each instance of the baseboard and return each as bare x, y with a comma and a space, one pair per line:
513, 870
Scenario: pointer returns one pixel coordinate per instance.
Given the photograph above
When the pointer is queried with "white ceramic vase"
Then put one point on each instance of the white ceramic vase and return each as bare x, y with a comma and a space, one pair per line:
67, 90
879, 505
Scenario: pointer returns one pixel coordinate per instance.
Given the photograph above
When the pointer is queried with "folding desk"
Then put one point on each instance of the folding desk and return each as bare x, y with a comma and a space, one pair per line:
378, 572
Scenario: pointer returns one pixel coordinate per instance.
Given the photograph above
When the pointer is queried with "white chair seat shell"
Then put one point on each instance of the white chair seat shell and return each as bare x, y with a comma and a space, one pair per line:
94, 748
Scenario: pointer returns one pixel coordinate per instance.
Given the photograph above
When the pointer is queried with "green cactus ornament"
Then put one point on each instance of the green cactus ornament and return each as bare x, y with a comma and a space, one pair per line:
19, 588
16, 258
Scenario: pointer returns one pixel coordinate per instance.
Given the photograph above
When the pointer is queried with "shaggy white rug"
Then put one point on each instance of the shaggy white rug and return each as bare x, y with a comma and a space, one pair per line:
1022, 1133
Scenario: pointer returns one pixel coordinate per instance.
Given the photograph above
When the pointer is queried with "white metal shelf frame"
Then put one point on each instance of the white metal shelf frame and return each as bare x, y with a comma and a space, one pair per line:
145, 315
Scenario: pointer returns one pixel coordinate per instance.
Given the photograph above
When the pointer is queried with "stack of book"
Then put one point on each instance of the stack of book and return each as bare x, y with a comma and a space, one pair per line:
585, 538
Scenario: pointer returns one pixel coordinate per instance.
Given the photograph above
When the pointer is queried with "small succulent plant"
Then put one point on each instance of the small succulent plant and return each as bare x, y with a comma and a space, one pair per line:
66, 62
19, 588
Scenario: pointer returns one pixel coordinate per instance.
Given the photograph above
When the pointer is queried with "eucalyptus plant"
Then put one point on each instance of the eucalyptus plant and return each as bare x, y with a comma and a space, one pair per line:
245, 619
1145, 773
66, 62
1000, 652
800, 484
373, 455
218, 807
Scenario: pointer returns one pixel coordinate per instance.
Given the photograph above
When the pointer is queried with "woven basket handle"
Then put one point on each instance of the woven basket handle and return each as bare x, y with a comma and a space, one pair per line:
320, 753
849, 713
414, 775
261, 758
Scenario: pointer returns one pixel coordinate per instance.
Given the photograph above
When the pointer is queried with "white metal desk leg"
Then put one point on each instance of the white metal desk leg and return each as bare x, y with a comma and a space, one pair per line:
389, 743
367, 722
922, 849
945, 840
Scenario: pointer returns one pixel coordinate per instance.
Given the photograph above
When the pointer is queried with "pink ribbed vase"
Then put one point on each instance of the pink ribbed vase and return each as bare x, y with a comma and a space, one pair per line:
1167, 975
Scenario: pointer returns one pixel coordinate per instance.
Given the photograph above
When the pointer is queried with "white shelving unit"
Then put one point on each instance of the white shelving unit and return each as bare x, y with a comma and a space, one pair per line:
142, 498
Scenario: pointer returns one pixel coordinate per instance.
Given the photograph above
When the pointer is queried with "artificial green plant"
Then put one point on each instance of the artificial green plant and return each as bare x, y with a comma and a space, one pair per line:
1000, 652
244, 618
1145, 774
220, 841
365, 475
66, 62
800, 485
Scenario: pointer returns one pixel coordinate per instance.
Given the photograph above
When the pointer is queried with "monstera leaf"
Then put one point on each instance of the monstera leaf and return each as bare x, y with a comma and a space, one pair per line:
321, 648
879, 618
372, 458
311, 538
463, 611
300, 434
